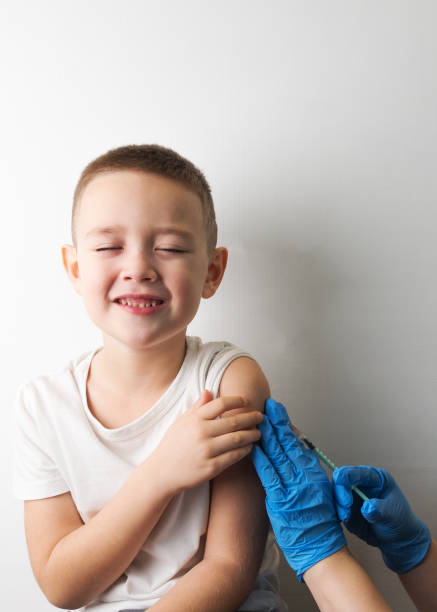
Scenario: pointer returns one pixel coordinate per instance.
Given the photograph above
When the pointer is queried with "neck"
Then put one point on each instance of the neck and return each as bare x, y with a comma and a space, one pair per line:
132, 371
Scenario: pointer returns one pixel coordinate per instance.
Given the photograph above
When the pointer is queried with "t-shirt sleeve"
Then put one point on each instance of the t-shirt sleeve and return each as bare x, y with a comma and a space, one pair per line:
35, 474
224, 355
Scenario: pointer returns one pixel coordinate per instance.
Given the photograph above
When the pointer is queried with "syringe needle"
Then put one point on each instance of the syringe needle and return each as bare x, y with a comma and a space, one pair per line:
323, 458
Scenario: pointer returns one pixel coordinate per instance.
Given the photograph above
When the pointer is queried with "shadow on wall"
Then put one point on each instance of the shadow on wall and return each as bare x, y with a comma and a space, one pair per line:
323, 334
278, 296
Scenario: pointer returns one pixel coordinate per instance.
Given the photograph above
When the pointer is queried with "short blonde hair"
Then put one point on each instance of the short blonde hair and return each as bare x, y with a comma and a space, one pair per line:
158, 160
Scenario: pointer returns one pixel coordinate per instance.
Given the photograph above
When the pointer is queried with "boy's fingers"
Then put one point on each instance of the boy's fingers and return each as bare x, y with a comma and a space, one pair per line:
230, 413
227, 459
205, 397
231, 441
213, 409
243, 420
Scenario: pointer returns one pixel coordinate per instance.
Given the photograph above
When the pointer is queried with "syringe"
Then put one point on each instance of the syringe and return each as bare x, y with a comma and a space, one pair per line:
323, 457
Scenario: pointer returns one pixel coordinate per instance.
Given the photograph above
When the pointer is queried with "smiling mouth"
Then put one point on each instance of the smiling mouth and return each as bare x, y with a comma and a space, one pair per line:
138, 304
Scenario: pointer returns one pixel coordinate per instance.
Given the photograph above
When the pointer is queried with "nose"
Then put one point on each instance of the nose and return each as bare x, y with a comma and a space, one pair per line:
140, 266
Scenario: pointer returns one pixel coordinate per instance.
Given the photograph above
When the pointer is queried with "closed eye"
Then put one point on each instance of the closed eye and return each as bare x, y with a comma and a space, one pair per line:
172, 250
116, 248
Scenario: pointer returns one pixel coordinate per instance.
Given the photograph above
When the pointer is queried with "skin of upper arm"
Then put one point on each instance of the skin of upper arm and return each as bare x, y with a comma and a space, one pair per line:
238, 522
46, 522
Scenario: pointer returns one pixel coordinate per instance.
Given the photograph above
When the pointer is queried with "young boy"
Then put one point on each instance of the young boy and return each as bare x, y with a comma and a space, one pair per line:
137, 494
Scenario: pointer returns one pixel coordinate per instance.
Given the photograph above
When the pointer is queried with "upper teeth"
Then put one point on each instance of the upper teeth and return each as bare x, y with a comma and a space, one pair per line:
139, 304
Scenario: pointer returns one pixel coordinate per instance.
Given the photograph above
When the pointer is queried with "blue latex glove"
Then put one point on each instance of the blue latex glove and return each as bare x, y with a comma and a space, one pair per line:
299, 497
385, 520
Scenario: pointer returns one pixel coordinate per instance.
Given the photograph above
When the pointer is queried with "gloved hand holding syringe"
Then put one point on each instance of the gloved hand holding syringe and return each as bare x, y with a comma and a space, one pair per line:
322, 456
304, 507
305, 510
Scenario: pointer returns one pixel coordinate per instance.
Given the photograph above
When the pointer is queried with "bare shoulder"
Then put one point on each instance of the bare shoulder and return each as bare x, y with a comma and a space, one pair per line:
244, 376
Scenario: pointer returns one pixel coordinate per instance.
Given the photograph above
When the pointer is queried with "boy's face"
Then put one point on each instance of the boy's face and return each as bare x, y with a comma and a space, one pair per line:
158, 248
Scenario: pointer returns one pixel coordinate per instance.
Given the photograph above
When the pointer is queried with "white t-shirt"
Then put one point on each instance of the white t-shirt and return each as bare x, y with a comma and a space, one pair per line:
60, 446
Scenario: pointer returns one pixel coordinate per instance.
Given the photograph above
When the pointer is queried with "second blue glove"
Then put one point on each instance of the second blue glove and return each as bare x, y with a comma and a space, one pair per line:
386, 520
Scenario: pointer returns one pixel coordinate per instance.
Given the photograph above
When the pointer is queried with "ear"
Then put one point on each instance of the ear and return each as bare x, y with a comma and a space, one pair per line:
71, 265
216, 269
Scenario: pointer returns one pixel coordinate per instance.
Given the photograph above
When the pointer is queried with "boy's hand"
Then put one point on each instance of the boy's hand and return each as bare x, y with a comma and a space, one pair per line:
199, 446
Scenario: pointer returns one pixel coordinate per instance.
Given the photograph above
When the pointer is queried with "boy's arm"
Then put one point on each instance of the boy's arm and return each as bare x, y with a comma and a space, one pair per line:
238, 523
74, 562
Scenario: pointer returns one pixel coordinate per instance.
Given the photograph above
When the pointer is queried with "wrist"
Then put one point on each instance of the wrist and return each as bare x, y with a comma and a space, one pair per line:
329, 546
302, 557
325, 565
153, 470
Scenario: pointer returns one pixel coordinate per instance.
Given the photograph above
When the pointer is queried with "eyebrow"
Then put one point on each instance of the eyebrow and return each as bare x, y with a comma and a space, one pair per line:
113, 229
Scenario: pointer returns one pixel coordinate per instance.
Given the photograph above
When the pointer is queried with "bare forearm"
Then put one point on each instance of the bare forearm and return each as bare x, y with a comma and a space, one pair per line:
88, 560
339, 584
421, 582
213, 584
235, 543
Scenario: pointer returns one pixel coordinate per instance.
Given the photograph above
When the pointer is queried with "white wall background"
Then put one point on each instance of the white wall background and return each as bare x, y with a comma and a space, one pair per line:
315, 123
